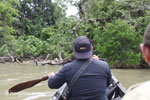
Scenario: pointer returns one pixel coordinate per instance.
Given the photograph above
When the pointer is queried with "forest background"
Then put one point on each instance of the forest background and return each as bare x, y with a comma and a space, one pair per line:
37, 28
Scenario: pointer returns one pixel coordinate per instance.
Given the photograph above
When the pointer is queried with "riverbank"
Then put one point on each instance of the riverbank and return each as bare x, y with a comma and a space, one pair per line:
45, 60
38, 60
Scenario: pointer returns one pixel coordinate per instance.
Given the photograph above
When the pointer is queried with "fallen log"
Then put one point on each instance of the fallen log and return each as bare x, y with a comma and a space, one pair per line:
10, 59
5, 59
49, 62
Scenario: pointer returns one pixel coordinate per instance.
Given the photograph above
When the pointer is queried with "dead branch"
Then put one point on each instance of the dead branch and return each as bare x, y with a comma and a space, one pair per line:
84, 17
12, 58
76, 27
17, 60
60, 58
80, 6
36, 62
47, 56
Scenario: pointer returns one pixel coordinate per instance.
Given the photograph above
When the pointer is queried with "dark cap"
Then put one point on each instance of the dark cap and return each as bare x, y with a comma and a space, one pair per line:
83, 48
147, 35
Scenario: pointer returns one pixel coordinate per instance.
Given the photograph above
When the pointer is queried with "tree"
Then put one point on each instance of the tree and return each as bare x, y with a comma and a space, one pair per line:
7, 16
119, 44
135, 12
37, 14
96, 18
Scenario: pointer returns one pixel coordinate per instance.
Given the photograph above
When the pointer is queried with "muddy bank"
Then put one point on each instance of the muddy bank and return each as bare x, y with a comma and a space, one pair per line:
38, 60
46, 60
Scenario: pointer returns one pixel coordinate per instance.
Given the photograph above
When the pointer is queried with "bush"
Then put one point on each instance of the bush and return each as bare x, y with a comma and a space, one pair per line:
119, 44
28, 45
4, 50
59, 41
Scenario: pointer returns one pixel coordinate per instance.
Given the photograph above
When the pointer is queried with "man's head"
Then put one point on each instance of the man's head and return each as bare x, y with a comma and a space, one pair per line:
83, 48
145, 46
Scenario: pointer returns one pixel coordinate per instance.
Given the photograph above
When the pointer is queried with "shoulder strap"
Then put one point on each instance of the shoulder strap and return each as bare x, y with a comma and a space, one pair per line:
78, 73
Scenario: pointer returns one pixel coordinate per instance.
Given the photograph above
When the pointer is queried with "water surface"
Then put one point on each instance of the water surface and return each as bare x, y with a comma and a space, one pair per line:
12, 74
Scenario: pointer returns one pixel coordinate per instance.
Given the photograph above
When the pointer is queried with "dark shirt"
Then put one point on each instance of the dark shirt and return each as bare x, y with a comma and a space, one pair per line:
91, 84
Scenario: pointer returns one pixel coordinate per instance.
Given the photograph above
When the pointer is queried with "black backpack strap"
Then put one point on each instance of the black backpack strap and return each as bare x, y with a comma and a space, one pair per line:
78, 73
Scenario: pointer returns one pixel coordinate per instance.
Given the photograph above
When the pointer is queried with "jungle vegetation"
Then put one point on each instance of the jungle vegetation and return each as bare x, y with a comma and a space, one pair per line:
36, 28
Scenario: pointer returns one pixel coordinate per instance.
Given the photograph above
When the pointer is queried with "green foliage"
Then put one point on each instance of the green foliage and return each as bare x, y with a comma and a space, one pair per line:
60, 39
37, 14
119, 43
39, 27
134, 12
28, 45
136, 15
7, 16
4, 50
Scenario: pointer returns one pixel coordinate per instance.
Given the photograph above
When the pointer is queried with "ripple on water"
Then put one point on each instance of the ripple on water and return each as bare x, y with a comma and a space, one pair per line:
36, 95
12, 79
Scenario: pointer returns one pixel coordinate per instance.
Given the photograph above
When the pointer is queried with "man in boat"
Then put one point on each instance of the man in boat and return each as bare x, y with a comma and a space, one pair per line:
92, 83
141, 91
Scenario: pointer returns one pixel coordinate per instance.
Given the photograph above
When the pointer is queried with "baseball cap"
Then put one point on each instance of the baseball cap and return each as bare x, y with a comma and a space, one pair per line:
83, 48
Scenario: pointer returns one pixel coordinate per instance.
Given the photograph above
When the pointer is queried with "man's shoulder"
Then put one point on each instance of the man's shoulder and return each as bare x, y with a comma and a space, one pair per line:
101, 62
68, 65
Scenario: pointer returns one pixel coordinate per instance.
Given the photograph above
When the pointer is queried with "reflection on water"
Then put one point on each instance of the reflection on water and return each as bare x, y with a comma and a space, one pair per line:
12, 74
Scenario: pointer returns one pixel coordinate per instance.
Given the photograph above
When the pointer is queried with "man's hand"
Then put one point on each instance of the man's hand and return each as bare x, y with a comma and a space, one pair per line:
51, 74
95, 57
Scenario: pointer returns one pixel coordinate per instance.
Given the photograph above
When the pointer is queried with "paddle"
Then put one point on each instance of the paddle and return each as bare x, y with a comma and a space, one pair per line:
27, 84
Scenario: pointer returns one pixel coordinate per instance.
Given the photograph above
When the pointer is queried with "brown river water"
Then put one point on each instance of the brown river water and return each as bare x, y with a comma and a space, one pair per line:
12, 74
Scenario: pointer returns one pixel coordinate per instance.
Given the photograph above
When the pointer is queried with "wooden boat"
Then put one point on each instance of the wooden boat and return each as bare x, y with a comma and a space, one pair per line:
114, 92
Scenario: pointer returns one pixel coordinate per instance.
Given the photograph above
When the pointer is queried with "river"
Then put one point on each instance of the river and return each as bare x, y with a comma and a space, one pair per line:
12, 74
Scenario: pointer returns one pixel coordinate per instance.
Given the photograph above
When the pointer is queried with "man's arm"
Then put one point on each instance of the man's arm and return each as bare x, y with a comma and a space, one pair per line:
109, 79
56, 80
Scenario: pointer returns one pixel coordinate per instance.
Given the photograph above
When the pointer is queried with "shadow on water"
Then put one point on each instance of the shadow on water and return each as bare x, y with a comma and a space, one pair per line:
12, 74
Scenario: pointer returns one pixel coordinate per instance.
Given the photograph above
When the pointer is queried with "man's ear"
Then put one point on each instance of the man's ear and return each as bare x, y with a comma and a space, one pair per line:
146, 52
